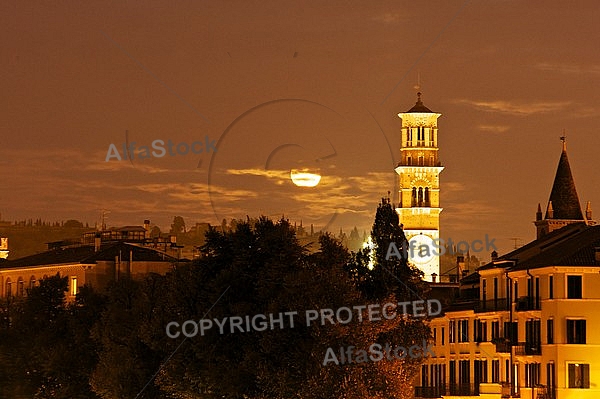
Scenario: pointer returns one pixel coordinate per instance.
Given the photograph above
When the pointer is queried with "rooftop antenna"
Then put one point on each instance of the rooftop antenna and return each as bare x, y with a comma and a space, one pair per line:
418, 85
103, 219
515, 239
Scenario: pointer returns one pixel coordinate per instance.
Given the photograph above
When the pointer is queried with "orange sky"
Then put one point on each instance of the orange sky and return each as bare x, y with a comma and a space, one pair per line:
286, 84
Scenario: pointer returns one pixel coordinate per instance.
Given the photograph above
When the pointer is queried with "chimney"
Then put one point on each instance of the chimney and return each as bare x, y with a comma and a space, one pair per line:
550, 210
433, 277
494, 256
588, 211
97, 242
460, 265
147, 228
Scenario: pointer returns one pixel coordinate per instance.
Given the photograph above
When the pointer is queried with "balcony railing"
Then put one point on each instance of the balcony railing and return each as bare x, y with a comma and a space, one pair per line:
430, 392
510, 391
528, 348
447, 390
503, 345
525, 303
492, 305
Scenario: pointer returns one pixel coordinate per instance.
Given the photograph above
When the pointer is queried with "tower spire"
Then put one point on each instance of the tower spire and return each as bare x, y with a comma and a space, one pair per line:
563, 205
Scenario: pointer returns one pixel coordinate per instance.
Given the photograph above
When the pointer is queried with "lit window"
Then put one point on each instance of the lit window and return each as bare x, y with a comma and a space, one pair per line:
74, 285
579, 375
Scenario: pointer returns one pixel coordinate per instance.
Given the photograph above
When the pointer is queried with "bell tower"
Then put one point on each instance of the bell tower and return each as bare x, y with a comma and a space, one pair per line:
419, 186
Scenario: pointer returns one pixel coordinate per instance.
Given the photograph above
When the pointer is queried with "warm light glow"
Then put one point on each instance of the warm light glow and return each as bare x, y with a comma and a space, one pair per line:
371, 245
304, 178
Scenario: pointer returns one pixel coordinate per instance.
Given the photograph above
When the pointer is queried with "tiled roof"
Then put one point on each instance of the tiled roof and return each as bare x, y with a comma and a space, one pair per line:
419, 107
572, 245
86, 254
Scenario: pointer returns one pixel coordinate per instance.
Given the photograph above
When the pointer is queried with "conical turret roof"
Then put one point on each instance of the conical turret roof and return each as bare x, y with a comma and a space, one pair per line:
565, 202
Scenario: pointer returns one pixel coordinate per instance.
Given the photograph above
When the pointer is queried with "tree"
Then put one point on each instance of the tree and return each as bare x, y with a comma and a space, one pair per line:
48, 344
392, 279
178, 225
71, 223
155, 232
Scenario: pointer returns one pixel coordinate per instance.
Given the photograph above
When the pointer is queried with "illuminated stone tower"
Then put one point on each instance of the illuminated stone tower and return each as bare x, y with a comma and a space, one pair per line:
419, 170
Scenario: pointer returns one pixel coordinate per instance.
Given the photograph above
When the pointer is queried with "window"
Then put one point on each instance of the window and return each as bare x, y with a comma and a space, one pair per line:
484, 291
32, 282
533, 337
575, 331
579, 375
463, 331
495, 330
495, 371
551, 287
480, 330
532, 374
435, 336
464, 372
480, 371
8, 288
74, 285
452, 370
537, 293
550, 331
409, 135
496, 293
511, 332
452, 332
443, 337
20, 287
516, 298
574, 287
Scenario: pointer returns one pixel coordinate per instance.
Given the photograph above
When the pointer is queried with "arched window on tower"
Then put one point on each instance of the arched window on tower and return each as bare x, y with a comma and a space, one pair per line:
420, 200
20, 287
421, 160
427, 202
409, 136
414, 197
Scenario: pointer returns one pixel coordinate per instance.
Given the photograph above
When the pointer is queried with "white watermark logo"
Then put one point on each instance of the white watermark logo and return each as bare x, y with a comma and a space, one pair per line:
376, 353
159, 150
417, 249
343, 315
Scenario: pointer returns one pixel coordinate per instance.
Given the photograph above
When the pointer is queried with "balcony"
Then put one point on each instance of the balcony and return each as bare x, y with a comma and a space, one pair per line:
528, 348
430, 392
503, 345
492, 305
510, 391
526, 303
447, 390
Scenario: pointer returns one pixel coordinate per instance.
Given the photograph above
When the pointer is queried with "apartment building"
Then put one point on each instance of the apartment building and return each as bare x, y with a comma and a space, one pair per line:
527, 324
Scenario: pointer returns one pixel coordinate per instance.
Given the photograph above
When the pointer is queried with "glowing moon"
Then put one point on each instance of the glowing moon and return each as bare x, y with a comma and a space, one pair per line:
304, 178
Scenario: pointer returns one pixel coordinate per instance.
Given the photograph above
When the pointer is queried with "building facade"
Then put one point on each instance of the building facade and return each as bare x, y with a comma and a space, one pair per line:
96, 259
527, 323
